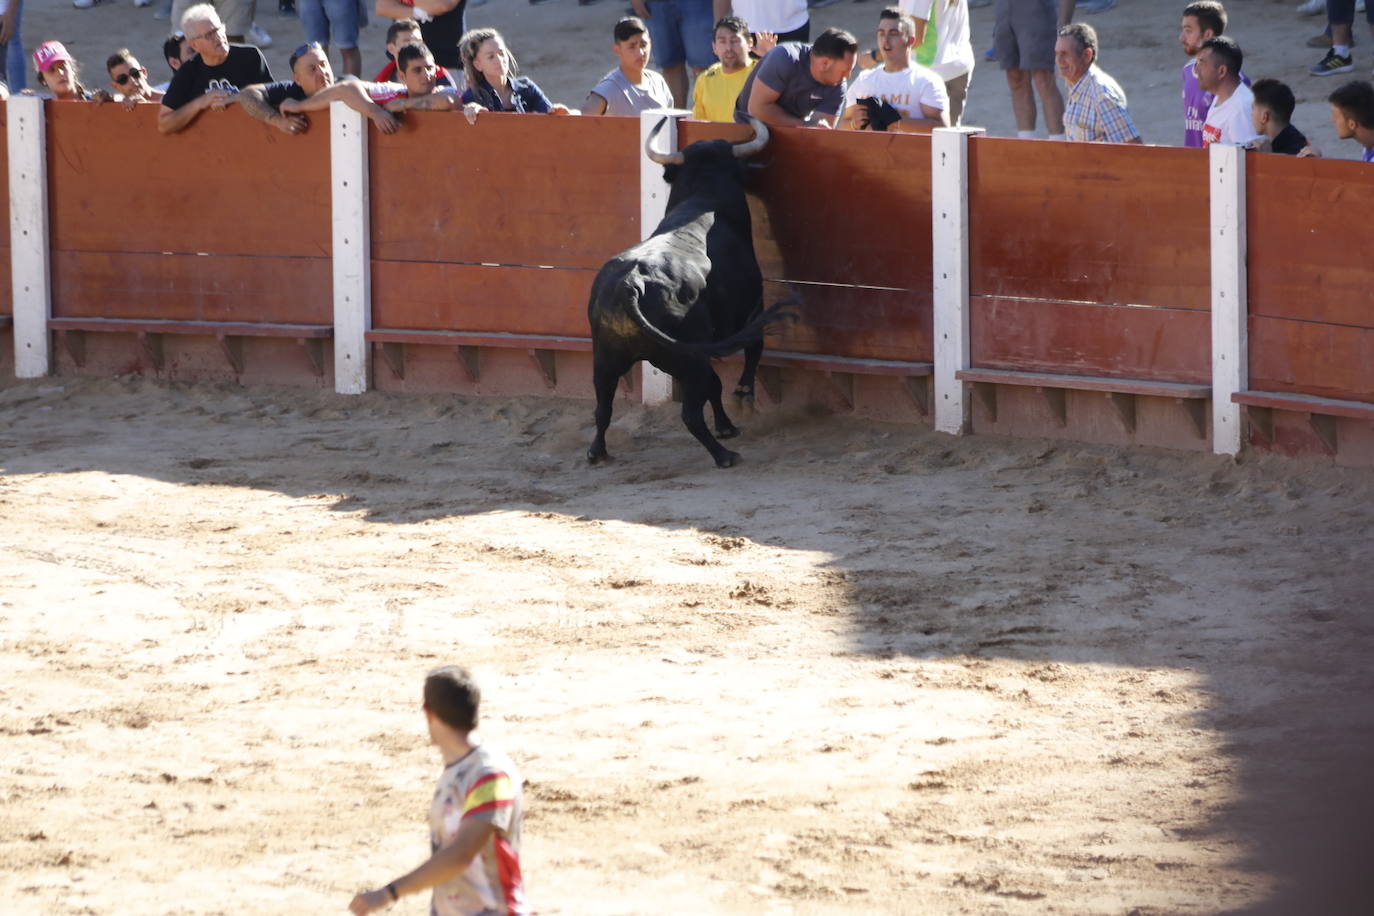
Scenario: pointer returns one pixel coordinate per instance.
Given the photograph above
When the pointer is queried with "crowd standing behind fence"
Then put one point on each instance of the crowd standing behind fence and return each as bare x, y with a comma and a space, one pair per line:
678, 34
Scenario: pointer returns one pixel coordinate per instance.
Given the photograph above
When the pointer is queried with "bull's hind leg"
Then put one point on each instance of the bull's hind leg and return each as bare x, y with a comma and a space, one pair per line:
696, 389
744, 390
724, 428
606, 375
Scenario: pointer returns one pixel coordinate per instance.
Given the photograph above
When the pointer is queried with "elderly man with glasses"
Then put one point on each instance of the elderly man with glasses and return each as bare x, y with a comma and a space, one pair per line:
213, 78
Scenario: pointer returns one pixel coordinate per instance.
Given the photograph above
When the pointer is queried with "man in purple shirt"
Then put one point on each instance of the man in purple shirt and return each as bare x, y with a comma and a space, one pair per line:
1202, 20
1352, 114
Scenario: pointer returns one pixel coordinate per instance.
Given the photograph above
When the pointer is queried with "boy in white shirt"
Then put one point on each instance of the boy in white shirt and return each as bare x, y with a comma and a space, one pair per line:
1218, 72
916, 92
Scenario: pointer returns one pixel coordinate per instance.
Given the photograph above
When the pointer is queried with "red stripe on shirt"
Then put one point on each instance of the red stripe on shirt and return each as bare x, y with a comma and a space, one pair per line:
508, 872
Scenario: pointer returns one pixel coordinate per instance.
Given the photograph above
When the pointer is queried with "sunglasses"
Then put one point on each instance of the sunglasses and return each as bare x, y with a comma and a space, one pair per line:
128, 77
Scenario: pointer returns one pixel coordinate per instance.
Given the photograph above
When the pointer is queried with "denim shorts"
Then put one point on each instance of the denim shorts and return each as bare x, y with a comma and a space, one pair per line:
682, 30
330, 22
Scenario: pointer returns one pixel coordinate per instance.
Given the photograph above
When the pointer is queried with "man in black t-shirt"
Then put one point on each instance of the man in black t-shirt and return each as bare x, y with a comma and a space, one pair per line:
1270, 114
442, 23
311, 88
214, 78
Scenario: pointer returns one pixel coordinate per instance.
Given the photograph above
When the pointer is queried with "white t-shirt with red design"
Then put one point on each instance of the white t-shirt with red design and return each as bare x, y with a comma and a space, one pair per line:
484, 784
1229, 121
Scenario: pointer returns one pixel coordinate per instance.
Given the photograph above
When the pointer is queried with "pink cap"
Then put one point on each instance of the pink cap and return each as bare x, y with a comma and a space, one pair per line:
49, 53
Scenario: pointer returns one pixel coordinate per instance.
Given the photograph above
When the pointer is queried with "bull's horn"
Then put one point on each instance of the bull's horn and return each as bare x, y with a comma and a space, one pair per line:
750, 147
661, 158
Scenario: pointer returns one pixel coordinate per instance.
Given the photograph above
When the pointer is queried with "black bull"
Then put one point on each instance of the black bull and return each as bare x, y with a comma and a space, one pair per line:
690, 292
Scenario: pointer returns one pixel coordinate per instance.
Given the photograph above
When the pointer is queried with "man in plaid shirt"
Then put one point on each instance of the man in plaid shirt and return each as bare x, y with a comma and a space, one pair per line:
1094, 106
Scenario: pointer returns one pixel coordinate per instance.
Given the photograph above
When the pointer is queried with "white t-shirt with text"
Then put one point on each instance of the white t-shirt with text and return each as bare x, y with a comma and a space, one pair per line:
1229, 121
906, 90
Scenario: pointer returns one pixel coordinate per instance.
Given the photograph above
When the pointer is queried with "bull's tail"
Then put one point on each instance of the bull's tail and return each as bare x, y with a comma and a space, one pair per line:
714, 349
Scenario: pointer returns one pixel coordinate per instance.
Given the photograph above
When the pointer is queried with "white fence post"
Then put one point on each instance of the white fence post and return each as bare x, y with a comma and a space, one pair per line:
655, 387
949, 261
32, 286
1230, 355
352, 255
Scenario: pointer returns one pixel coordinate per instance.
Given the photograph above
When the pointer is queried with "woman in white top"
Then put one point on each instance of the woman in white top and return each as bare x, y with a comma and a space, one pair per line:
953, 47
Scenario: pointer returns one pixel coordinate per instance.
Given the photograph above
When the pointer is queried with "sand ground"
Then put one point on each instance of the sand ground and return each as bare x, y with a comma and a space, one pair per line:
873, 669
566, 48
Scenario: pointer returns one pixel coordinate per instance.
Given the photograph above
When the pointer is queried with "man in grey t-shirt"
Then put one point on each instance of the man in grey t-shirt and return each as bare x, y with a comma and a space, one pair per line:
795, 85
631, 87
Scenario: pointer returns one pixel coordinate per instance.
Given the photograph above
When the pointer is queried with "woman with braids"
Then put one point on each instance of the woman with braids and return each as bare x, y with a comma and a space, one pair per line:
493, 80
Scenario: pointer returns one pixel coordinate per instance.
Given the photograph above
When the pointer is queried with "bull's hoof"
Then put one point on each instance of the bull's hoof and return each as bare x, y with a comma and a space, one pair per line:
596, 455
727, 459
744, 394
727, 432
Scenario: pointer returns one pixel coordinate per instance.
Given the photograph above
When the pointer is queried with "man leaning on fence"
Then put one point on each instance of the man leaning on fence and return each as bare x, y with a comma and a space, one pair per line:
797, 86
213, 78
1094, 106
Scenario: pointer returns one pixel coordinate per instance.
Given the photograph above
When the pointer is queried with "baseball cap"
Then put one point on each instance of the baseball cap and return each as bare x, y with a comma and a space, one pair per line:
49, 53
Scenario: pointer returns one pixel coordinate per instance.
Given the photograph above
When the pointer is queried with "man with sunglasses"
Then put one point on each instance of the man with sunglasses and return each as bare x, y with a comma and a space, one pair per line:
129, 79
311, 88
211, 80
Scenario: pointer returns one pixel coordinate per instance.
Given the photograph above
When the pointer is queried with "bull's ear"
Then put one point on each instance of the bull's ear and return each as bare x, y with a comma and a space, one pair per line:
670, 173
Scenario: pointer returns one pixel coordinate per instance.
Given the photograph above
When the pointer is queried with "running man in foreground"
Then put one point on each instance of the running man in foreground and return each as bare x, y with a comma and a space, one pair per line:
474, 820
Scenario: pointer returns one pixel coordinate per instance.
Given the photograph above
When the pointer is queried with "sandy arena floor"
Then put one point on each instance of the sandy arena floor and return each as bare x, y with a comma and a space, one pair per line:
871, 670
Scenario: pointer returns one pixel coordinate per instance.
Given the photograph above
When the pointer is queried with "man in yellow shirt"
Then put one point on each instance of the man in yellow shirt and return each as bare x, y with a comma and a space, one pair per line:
713, 96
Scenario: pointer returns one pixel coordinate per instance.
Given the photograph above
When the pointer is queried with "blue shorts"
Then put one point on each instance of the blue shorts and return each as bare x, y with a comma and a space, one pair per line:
681, 30
330, 22
1342, 12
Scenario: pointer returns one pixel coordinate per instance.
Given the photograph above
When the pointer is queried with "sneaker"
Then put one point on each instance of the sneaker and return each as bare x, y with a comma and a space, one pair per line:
1312, 7
257, 36
990, 54
1332, 64
143, 2
84, 4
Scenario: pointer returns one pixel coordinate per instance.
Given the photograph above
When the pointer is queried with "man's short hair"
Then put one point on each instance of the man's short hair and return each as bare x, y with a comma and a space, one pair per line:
1356, 101
908, 25
1209, 15
302, 51
122, 56
399, 26
172, 46
835, 44
1083, 35
452, 696
734, 24
201, 12
413, 50
628, 28
1275, 96
1226, 52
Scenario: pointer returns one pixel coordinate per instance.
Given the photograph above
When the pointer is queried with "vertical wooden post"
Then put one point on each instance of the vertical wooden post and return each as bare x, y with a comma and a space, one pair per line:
949, 179
352, 256
1230, 355
32, 286
655, 387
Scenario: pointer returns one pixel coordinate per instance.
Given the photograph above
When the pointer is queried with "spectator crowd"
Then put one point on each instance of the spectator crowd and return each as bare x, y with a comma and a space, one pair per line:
725, 59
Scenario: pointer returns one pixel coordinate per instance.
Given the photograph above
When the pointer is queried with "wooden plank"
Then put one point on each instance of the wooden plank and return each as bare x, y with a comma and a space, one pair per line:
846, 364
854, 321
508, 190
255, 290
1301, 357
211, 328
1301, 264
459, 338
6, 291
460, 297
228, 185
1089, 222
1305, 403
1145, 387
1088, 339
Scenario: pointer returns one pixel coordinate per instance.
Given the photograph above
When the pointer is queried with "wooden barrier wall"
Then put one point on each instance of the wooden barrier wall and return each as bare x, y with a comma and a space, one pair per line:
842, 223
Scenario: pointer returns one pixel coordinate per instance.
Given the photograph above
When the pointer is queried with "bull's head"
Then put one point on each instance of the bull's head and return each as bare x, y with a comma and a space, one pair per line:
741, 150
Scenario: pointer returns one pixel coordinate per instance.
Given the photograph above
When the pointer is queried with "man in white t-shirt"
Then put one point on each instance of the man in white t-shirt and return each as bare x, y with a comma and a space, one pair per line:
915, 92
1218, 72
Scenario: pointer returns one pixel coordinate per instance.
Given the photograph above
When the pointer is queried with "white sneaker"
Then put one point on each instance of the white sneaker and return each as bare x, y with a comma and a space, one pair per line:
259, 37
1312, 7
143, 2
84, 4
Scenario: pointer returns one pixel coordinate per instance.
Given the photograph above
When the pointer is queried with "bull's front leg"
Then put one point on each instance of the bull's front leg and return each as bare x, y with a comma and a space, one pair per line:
744, 390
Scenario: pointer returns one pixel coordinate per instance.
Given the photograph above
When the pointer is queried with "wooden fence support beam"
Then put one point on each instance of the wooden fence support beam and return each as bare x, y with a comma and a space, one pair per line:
655, 387
352, 244
1230, 356
949, 181
31, 280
